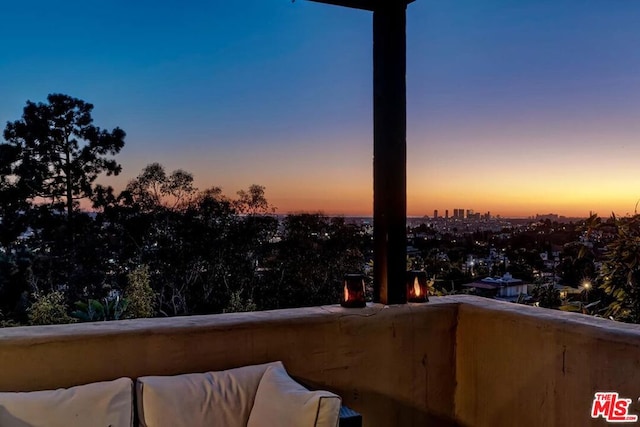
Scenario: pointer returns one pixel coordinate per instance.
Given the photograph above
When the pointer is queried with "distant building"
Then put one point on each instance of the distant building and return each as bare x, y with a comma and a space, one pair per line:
505, 287
550, 217
473, 215
435, 214
446, 214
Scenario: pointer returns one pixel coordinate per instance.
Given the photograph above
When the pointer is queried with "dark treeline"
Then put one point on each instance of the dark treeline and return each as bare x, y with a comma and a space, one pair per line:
160, 247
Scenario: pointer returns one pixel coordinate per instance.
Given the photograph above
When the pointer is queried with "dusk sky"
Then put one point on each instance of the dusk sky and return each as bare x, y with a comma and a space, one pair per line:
516, 107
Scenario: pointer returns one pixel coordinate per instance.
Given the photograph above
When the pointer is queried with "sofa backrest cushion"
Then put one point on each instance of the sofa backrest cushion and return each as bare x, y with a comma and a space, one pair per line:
282, 402
101, 404
222, 398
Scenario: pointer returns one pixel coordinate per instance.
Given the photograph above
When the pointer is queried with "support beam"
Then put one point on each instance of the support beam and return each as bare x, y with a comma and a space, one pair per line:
370, 5
389, 146
389, 154
354, 4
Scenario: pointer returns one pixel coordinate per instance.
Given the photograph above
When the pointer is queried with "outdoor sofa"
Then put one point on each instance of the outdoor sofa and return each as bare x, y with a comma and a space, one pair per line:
250, 396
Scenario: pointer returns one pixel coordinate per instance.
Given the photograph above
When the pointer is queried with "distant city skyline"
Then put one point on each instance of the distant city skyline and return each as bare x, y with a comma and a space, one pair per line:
517, 108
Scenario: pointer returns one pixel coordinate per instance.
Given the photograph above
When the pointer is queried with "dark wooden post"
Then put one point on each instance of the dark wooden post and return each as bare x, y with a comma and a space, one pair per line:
389, 146
389, 154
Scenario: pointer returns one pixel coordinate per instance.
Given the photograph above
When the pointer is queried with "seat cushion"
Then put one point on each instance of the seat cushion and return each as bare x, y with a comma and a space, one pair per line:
222, 398
108, 403
282, 402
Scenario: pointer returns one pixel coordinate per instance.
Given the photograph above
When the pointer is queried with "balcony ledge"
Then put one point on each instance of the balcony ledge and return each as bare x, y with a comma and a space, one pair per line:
457, 360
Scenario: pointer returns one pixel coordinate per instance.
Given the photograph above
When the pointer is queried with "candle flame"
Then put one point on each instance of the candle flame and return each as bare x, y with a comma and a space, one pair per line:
346, 292
416, 287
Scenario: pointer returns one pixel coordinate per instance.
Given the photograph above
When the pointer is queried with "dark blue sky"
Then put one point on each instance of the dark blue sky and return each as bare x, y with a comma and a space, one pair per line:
546, 93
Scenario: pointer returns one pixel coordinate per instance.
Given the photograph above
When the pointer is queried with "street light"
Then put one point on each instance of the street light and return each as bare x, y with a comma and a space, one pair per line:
585, 287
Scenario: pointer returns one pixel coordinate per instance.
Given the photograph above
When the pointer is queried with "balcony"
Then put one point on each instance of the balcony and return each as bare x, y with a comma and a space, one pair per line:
456, 361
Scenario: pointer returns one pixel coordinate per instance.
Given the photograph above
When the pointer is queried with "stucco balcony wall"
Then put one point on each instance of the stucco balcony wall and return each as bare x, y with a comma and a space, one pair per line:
457, 360
395, 365
528, 366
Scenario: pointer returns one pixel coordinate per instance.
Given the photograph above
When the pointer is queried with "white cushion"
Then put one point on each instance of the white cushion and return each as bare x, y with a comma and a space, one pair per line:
282, 402
108, 403
222, 398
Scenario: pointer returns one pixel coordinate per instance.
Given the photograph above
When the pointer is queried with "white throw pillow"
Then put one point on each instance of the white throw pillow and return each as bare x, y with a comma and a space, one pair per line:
282, 402
108, 403
222, 398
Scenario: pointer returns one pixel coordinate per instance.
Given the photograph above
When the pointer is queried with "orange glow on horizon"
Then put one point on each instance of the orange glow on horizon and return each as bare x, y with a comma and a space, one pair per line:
514, 198
567, 173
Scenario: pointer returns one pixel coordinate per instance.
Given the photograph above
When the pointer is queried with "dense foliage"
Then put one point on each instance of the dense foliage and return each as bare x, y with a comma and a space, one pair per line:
620, 273
160, 247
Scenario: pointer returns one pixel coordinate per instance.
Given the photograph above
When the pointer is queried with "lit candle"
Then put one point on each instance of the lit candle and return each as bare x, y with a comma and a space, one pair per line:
353, 291
417, 288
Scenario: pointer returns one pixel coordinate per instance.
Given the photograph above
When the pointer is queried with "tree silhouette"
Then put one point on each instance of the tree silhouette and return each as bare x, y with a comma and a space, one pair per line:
620, 273
154, 189
54, 153
51, 158
253, 201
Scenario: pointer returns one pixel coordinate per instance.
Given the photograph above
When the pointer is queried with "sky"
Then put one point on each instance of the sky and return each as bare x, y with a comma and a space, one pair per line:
515, 107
